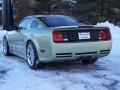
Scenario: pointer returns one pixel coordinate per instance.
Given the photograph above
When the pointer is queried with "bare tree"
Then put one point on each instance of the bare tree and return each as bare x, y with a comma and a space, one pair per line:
23, 8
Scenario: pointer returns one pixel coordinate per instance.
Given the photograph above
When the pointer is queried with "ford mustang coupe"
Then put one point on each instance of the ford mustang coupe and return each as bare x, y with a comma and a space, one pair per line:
47, 38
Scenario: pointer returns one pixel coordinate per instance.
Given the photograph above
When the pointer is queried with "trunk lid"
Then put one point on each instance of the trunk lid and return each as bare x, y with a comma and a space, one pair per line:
82, 33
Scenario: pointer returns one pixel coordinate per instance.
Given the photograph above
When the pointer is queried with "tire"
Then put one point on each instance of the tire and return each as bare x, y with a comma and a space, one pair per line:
32, 56
6, 48
88, 61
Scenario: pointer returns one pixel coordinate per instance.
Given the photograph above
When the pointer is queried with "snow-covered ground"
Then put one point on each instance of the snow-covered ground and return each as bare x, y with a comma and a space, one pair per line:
103, 75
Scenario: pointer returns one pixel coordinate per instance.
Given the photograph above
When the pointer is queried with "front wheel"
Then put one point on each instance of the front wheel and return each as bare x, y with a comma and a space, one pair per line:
6, 48
32, 56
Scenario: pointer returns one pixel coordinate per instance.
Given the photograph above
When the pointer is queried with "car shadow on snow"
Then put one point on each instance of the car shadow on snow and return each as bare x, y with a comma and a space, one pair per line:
72, 66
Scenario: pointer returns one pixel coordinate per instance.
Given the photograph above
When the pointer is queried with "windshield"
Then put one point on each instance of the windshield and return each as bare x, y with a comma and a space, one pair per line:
60, 20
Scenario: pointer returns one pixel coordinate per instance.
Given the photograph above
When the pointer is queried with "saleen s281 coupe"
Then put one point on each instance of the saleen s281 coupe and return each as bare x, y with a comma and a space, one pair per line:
47, 38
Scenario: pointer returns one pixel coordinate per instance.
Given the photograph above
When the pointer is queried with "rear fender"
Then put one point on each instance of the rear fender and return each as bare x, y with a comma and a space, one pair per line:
35, 42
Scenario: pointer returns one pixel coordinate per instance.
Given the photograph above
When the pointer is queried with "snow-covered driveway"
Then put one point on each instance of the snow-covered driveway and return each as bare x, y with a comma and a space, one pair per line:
103, 75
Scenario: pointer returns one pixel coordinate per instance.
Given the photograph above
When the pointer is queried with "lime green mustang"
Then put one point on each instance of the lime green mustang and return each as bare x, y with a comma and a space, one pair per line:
47, 38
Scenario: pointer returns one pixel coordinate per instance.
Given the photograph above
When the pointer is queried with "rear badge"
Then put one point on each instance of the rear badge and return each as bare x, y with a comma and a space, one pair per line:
65, 39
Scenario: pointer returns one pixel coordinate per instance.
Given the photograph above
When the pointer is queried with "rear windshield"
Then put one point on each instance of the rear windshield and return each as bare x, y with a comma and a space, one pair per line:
59, 20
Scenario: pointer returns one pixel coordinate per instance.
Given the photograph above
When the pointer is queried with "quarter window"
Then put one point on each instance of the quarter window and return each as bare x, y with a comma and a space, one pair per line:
34, 24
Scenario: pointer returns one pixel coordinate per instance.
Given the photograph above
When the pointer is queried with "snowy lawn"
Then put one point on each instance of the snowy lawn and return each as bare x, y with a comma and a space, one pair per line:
103, 75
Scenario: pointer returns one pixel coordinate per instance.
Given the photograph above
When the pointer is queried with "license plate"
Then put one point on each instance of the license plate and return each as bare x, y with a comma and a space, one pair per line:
84, 35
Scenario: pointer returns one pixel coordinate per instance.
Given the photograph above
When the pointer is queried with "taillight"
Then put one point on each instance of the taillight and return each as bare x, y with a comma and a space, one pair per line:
104, 35
57, 36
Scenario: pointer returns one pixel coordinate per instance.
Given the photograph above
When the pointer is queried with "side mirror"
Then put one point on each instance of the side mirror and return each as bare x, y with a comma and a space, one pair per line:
20, 28
16, 28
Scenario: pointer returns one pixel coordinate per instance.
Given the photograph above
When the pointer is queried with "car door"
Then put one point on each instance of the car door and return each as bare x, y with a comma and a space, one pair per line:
17, 37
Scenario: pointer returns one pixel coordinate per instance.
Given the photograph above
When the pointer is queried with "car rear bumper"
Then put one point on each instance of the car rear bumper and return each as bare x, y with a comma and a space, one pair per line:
74, 51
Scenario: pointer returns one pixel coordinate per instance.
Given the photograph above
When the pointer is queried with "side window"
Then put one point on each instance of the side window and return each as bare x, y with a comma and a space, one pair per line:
34, 24
24, 24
